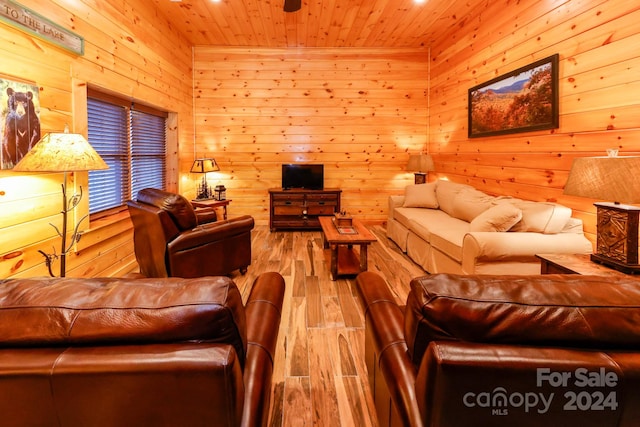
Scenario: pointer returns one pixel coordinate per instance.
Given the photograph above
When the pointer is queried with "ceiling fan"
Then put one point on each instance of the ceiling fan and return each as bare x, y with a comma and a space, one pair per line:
292, 5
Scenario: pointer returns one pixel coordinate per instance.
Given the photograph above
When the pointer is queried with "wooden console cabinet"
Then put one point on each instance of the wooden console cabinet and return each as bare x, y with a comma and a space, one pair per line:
300, 208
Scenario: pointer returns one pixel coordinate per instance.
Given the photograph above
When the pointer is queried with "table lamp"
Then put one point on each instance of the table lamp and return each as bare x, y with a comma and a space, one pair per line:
62, 152
420, 164
614, 178
204, 166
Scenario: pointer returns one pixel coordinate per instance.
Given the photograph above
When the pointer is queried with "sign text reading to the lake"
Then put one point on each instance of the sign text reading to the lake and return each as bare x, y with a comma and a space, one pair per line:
27, 20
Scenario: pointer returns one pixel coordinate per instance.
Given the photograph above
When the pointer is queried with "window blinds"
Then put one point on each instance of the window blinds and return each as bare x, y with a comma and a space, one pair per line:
132, 141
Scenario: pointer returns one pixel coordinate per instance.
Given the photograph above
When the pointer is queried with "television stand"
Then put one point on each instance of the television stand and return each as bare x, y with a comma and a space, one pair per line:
300, 208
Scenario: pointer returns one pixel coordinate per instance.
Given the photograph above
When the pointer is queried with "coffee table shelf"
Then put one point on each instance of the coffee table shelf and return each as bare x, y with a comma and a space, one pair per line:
345, 259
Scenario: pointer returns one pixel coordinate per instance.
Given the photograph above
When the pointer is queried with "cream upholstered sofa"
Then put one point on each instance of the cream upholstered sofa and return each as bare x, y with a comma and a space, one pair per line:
448, 227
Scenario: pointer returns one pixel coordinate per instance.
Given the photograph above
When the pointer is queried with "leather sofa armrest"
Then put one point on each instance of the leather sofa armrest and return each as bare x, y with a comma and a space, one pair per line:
385, 328
263, 310
206, 215
454, 377
211, 232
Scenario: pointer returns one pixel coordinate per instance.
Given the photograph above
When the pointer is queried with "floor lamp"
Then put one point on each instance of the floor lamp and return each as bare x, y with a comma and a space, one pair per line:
62, 152
614, 178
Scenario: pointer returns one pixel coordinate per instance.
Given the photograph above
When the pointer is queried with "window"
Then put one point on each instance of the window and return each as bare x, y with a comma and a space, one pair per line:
131, 139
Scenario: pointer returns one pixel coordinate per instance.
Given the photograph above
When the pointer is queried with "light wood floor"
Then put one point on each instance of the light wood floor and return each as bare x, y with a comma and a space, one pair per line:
320, 378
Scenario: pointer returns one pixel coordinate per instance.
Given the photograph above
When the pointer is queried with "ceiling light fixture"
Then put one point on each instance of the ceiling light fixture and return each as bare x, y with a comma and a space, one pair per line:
292, 5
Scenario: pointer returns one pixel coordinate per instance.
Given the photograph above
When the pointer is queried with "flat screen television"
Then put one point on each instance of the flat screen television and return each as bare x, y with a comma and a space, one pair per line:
309, 176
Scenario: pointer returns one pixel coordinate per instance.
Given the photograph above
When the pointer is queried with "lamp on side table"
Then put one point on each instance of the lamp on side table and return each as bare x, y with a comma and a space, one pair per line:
421, 164
203, 166
615, 178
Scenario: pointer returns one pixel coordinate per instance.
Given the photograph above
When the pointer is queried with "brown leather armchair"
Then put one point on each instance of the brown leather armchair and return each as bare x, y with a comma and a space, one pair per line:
138, 352
172, 239
504, 351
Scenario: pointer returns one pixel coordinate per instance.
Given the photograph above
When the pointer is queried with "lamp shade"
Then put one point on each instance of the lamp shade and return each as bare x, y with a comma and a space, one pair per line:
420, 163
204, 165
608, 178
61, 152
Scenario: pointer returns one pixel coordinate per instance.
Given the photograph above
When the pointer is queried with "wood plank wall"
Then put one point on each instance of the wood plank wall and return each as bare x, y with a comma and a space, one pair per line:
129, 51
599, 94
357, 111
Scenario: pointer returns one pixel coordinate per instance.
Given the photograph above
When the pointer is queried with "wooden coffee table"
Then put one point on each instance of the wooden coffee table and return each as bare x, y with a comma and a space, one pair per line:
344, 259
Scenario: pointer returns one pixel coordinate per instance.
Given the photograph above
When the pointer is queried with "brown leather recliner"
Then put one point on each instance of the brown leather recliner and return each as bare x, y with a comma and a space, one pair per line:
504, 351
171, 239
137, 352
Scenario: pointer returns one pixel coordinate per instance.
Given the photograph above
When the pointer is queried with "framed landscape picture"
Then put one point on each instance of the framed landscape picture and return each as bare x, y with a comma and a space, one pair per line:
523, 100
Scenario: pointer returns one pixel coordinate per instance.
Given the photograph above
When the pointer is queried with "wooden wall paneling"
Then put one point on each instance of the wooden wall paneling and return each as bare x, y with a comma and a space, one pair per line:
15, 63
501, 54
129, 50
27, 261
612, 118
123, 267
136, 34
597, 104
360, 111
173, 150
357, 111
105, 228
29, 197
114, 252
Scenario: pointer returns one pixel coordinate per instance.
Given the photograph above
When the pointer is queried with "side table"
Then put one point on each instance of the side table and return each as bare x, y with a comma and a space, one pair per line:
574, 264
212, 203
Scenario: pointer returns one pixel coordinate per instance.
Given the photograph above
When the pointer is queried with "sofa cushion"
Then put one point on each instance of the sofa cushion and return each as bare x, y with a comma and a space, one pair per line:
421, 196
448, 236
497, 218
405, 215
558, 310
68, 311
431, 220
469, 203
539, 217
446, 192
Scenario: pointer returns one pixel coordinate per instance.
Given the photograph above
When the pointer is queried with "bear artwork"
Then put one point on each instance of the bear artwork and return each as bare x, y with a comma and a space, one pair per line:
22, 127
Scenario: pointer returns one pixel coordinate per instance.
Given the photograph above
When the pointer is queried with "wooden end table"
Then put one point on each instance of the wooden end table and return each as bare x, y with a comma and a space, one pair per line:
344, 259
212, 203
574, 264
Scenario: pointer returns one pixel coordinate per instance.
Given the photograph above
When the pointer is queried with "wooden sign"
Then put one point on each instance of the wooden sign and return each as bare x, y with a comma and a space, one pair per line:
31, 22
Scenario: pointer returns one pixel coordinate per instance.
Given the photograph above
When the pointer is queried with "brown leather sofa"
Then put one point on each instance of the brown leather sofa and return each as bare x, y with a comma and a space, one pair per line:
137, 352
504, 351
172, 239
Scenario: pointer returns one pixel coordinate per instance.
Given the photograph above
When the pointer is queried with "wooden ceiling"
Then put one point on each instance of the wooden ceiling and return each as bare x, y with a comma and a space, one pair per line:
319, 23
